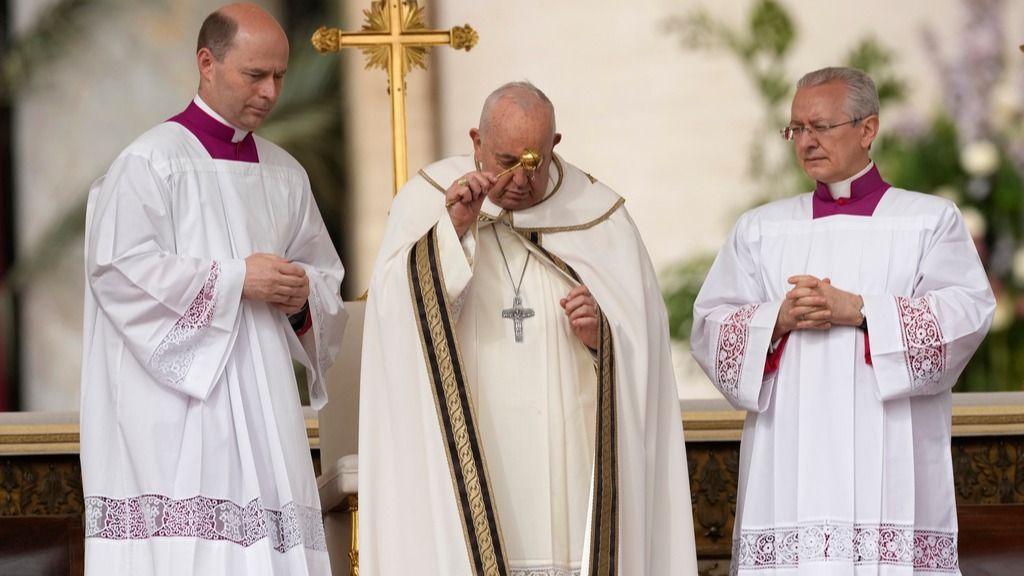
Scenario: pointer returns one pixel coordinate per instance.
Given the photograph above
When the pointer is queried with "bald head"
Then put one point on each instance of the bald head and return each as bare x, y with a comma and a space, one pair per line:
217, 34
521, 99
242, 54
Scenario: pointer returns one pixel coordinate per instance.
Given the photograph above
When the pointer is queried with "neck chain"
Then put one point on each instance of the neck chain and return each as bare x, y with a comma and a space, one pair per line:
517, 313
522, 274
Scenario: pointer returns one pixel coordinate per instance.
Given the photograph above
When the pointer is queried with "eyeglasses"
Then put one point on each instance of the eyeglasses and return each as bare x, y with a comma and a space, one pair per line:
789, 133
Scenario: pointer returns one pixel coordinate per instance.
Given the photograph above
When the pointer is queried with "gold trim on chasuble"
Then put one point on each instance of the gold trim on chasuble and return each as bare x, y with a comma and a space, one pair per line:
454, 410
466, 460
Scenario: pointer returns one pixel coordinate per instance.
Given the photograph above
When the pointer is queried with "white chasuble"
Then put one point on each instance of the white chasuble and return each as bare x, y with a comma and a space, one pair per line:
845, 457
195, 458
481, 455
535, 402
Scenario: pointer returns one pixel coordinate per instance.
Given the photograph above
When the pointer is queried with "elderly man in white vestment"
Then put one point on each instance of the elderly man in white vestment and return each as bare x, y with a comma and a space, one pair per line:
518, 411
840, 320
208, 271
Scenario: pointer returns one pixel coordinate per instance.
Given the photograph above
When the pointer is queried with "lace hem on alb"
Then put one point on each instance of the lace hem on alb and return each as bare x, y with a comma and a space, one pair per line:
859, 544
154, 515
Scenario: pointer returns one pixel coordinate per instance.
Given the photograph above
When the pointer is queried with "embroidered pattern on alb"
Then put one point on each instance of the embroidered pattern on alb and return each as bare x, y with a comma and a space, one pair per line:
733, 337
922, 341
173, 358
545, 571
154, 515
860, 544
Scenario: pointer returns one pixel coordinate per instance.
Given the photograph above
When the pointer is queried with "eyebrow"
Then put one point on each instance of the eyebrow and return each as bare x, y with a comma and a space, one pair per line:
264, 72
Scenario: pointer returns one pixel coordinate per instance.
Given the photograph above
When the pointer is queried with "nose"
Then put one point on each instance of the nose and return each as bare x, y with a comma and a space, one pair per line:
270, 89
519, 177
805, 140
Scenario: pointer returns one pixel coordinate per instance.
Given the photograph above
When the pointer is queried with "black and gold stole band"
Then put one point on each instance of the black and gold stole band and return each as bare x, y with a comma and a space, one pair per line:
454, 410
462, 442
604, 531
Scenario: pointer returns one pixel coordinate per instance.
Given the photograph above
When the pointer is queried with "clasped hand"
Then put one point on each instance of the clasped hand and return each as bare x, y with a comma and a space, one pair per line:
814, 304
276, 281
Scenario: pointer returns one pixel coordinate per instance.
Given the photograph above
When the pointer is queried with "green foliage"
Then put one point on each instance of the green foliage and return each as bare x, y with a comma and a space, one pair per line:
771, 29
877, 61
680, 284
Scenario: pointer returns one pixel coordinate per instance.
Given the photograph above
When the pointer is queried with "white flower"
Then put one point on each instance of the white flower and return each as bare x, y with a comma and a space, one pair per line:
1004, 313
1018, 266
980, 158
975, 221
1005, 105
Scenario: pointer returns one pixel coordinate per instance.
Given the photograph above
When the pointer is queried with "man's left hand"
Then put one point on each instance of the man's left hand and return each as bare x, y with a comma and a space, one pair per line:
845, 306
582, 311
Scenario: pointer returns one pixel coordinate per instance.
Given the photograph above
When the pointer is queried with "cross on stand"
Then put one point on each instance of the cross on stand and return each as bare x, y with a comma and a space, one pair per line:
517, 313
395, 39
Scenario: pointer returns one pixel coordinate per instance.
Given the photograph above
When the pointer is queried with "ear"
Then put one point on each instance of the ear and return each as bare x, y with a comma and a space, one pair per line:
205, 62
868, 131
556, 140
474, 135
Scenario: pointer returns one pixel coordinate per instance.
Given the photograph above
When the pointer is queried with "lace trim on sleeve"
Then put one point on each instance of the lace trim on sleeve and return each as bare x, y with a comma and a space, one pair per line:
922, 342
732, 347
173, 357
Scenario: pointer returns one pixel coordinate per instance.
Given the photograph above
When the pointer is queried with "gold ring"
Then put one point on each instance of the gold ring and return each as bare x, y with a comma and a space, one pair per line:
451, 203
462, 181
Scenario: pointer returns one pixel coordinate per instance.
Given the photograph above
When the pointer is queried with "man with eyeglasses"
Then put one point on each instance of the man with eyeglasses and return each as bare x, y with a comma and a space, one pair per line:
845, 458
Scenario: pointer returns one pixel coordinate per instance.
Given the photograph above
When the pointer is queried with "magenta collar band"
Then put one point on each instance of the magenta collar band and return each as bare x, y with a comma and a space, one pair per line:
865, 193
216, 137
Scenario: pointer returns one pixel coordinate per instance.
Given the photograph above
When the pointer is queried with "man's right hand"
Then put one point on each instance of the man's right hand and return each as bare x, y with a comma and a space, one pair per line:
464, 198
803, 309
272, 279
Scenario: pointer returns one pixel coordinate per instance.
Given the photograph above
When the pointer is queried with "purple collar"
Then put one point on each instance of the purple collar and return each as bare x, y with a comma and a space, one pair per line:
865, 193
216, 137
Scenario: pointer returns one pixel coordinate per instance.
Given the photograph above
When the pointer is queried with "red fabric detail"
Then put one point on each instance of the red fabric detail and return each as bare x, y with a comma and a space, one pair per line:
307, 325
771, 363
867, 348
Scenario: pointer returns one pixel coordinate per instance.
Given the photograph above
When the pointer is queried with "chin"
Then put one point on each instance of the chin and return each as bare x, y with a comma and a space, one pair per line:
817, 173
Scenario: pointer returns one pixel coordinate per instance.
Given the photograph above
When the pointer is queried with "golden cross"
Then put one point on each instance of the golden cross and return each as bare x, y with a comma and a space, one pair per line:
395, 38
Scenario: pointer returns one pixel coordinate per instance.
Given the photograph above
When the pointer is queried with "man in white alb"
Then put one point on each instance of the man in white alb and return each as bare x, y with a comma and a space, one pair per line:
840, 320
208, 272
518, 411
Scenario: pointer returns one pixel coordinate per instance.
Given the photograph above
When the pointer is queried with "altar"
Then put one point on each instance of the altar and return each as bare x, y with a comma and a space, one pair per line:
41, 490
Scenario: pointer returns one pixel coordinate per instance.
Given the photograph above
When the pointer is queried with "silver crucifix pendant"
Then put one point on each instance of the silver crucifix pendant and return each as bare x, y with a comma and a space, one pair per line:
517, 314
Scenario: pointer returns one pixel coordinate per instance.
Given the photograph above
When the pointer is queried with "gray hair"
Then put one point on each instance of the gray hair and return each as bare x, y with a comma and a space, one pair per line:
523, 94
861, 93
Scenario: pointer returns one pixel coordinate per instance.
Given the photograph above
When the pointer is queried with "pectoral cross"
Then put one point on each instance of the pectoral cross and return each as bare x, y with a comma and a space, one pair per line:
517, 314
395, 38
